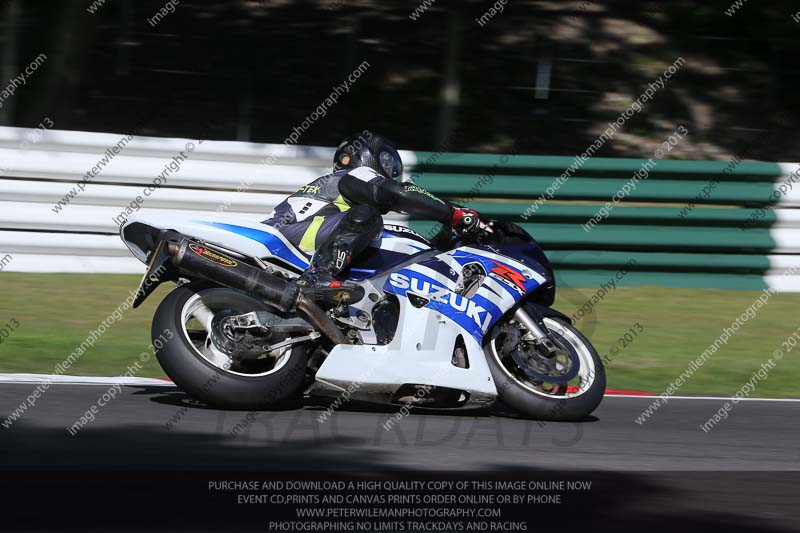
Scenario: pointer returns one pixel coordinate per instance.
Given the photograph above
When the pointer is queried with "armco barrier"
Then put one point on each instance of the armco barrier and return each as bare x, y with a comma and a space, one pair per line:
703, 247
741, 234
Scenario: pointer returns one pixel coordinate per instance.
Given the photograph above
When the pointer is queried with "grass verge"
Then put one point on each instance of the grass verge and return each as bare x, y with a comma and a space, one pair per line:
56, 312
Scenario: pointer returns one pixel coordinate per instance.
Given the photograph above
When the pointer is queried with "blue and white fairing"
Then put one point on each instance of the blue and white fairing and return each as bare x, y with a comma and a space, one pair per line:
395, 245
434, 319
255, 239
506, 282
429, 327
249, 238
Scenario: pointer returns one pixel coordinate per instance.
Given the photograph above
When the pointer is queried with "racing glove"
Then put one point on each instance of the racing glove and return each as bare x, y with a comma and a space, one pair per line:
468, 222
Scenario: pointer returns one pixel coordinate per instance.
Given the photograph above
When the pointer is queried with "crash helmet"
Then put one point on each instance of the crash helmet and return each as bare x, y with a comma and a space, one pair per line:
367, 149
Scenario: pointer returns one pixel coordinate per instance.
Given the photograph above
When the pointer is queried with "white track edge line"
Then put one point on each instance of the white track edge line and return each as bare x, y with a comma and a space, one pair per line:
703, 398
122, 380
54, 379
91, 383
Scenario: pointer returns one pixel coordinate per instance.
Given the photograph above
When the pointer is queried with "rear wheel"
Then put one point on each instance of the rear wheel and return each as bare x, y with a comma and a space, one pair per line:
564, 387
193, 359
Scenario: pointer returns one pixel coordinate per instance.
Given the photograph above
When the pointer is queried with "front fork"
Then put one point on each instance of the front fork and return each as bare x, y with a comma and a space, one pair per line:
533, 321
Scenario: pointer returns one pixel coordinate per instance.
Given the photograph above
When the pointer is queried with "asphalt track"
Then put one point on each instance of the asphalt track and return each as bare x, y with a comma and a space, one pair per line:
742, 474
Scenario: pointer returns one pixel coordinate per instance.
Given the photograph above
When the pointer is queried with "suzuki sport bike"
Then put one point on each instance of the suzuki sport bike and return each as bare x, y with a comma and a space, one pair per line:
455, 326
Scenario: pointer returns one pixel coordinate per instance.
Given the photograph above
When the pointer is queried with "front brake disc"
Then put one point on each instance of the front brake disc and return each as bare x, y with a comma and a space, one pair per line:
540, 367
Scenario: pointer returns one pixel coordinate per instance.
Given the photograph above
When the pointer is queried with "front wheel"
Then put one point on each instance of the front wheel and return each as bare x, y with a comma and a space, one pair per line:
577, 378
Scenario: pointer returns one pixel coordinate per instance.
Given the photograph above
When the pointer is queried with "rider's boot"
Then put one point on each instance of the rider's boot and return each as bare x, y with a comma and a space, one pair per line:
321, 273
356, 231
320, 282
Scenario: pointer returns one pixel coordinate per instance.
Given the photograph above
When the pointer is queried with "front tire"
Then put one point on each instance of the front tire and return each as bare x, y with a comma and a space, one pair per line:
201, 371
541, 401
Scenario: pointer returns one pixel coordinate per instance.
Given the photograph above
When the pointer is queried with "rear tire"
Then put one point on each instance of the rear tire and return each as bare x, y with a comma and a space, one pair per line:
523, 397
212, 384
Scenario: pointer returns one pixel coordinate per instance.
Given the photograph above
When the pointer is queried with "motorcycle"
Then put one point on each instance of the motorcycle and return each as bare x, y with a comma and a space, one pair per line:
455, 326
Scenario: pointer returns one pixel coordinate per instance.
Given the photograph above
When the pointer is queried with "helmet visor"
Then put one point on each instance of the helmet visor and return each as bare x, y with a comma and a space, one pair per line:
391, 164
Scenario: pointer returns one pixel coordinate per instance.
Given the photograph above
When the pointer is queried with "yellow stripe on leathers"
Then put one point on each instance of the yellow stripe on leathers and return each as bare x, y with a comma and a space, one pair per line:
341, 203
307, 243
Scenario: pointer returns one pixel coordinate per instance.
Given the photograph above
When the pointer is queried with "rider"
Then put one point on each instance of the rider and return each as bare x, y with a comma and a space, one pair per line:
338, 215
